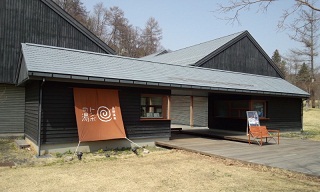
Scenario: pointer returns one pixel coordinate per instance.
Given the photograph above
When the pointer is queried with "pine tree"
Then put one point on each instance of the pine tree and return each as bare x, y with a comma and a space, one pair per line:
304, 77
277, 59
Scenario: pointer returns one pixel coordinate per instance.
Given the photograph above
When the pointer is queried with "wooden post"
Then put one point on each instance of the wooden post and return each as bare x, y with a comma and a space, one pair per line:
191, 111
169, 107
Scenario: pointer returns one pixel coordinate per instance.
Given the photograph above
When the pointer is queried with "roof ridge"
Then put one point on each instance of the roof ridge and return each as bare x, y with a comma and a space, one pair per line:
208, 41
137, 59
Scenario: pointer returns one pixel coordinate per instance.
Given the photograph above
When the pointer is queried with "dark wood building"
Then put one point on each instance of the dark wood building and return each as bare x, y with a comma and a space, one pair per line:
45, 53
33, 21
180, 94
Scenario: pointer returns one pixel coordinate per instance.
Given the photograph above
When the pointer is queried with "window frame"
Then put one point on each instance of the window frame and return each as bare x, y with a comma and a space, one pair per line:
164, 107
264, 103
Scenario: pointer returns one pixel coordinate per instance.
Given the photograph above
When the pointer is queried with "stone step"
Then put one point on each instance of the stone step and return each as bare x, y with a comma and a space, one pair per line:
22, 144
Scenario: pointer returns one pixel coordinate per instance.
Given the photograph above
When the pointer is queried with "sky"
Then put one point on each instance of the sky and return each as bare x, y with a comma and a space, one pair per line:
188, 22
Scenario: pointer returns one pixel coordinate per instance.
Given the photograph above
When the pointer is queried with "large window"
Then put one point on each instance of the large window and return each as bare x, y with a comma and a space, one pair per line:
238, 108
153, 106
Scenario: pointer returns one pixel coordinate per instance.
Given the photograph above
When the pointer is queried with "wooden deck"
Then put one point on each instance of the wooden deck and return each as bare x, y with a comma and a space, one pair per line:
292, 154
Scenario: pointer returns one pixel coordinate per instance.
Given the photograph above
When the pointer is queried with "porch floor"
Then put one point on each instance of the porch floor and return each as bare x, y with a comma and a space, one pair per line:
292, 154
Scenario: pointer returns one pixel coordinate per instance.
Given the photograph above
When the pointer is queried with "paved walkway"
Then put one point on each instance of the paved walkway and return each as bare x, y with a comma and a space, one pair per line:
292, 154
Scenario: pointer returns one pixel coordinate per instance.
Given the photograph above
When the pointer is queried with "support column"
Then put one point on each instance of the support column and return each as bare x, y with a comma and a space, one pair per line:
191, 111
169, 107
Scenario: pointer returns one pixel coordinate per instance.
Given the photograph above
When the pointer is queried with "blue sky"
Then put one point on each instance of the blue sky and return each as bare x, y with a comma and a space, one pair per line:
189, 22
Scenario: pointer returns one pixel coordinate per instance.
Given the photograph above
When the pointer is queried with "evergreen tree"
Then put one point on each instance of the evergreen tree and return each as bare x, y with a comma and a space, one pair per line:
277, 59
304, 77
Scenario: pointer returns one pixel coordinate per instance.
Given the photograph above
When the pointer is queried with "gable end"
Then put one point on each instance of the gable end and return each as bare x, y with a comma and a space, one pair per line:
242, 54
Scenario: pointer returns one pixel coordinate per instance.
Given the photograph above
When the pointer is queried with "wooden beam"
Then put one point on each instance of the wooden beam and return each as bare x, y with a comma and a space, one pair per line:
191, 111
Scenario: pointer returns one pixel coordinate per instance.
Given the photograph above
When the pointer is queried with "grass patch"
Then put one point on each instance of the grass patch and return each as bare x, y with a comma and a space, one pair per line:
311, 126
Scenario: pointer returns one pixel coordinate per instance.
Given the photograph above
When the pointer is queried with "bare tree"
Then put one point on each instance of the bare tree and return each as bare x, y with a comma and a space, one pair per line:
75, 8
131, 42
305, 29
112, 27
293, 64
118, 25
97, 21
151, 36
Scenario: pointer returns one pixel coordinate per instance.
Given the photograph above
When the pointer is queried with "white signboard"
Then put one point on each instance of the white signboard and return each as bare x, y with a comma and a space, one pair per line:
252, 119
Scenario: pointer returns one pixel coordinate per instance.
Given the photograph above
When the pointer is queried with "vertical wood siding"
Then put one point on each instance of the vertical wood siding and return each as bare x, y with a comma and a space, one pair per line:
31, 21
200, 114
11, 109
244, 57
180, 110
282, 113
31, 119
59, 121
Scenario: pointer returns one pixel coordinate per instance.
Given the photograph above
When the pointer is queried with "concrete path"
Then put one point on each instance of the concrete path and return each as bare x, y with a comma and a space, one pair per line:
292, 154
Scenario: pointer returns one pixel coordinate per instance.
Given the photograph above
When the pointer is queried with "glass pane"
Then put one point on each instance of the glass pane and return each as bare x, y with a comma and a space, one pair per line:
143, 100
259, 107
155, 101
220, 109
151, 107
240, 104
143, 112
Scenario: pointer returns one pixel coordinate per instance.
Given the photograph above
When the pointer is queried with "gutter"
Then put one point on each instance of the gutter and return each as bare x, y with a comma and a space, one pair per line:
39, 117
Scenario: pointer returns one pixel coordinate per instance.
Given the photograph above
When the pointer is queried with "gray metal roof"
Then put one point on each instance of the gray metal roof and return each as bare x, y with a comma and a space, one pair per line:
191, 55
48, 61
154, 55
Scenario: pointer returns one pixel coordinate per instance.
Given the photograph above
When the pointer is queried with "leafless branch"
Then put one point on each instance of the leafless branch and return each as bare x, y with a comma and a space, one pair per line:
308, 4
237, 6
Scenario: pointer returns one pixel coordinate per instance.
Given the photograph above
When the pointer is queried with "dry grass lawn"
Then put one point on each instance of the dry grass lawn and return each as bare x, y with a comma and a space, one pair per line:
161, 170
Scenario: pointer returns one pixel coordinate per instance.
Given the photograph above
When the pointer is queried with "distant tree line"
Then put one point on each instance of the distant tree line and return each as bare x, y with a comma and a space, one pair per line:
112, 27
298, 72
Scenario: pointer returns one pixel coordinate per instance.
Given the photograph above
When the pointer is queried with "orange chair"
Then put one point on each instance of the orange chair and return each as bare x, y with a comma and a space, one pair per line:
260, 132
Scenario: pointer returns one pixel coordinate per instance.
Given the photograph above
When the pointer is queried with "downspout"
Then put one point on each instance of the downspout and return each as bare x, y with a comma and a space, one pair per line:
39, 117
301, 116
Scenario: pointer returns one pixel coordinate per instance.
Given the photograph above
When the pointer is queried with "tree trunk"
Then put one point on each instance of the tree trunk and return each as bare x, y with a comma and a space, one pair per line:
312, 97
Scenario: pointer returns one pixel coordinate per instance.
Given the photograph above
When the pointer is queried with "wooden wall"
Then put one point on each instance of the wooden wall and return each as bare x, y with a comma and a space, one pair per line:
32, 21
130, 109
284, 114
243, 56
59, 121
12, 107
31, 115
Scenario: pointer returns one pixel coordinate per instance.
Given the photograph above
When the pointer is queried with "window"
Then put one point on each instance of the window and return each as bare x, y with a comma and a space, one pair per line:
260, 107
238, 108
153, 106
